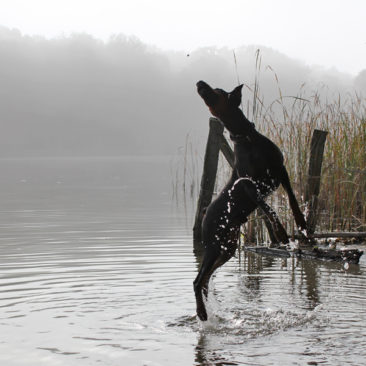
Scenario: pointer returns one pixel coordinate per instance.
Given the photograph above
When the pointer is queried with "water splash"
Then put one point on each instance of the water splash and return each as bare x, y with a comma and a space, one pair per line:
242, 322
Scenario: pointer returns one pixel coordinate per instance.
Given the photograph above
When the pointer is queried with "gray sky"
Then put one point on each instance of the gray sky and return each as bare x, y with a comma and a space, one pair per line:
329, 33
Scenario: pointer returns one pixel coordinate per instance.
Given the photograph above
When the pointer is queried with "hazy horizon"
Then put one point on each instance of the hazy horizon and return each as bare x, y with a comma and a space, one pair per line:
80, 96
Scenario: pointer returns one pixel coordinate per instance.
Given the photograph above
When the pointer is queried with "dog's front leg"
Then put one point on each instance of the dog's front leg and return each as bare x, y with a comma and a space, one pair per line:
253, 193
278, 230
299, 217
274, 240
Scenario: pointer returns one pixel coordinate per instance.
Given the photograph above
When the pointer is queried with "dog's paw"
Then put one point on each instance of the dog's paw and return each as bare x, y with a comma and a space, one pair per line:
202, 317
281, 234
202, 314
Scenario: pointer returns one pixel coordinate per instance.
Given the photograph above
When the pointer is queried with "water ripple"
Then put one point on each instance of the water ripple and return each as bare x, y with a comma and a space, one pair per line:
75, 297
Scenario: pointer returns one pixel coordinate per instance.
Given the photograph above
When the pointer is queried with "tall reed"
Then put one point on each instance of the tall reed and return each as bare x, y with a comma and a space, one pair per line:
185, 172
290, 122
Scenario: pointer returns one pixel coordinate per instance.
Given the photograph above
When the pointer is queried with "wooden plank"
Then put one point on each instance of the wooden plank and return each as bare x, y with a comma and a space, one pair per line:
268, 251
346, 255
314, 173
336, 235
209, 174
227, 151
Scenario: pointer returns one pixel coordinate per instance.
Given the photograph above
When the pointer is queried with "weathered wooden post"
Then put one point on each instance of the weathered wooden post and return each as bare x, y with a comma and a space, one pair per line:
226, 150
313, 183
209, 174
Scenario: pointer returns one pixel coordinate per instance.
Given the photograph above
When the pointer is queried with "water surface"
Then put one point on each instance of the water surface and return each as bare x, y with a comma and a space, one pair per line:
97, 264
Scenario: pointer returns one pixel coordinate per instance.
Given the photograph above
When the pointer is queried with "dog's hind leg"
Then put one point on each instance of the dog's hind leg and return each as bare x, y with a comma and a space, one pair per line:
227, 251
200, 284
212, 261
220, 231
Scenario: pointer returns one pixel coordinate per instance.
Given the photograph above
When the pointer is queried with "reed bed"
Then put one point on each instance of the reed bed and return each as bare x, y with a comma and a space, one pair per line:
342, 204
289, 121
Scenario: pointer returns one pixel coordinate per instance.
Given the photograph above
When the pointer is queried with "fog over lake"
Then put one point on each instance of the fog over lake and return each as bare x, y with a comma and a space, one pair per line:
79, 96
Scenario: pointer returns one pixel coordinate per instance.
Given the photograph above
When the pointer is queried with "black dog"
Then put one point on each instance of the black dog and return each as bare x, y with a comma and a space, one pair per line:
258, 171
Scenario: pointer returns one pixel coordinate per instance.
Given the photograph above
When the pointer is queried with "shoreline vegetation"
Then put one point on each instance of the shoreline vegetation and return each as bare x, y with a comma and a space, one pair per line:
289, 122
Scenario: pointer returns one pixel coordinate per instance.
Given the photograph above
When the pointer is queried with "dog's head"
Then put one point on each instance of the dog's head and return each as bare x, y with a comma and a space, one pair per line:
219, 101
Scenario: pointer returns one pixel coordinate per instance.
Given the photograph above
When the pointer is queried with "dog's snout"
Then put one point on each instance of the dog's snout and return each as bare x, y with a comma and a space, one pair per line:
201, 85
207, 93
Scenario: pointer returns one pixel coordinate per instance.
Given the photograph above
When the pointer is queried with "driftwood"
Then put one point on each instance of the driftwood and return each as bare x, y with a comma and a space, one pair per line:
346, 255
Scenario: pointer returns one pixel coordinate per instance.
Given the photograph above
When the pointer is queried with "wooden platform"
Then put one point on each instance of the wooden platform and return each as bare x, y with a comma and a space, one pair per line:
324, 254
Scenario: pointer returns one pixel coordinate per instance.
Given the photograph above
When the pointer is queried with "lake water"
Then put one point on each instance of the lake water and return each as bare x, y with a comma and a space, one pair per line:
97, 264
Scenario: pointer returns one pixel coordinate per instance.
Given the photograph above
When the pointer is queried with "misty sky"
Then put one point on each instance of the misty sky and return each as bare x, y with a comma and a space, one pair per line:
118, 77
330, 33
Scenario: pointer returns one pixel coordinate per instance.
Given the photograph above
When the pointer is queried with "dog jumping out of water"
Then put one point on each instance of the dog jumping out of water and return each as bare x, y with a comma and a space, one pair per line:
258, 171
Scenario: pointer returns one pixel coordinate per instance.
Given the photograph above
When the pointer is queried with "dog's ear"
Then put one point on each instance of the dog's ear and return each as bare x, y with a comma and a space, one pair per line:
235, 96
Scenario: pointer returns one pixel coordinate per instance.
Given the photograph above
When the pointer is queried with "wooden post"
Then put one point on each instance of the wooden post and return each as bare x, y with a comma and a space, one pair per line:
313, 183
209, 174
226, 150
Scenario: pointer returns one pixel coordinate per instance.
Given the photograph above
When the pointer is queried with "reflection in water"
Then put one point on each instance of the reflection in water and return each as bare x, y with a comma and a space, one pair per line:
309, 272
237, 315
96, 268
212, 357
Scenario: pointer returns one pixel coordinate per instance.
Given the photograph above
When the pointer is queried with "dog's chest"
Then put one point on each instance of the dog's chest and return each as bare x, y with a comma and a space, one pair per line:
255, 163
250, 160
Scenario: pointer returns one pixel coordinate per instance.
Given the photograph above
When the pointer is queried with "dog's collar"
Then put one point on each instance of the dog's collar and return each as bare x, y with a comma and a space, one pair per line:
243, 137
240, 138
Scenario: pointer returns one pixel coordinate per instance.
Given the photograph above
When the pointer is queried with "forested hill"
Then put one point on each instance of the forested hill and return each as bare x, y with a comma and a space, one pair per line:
77, 95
